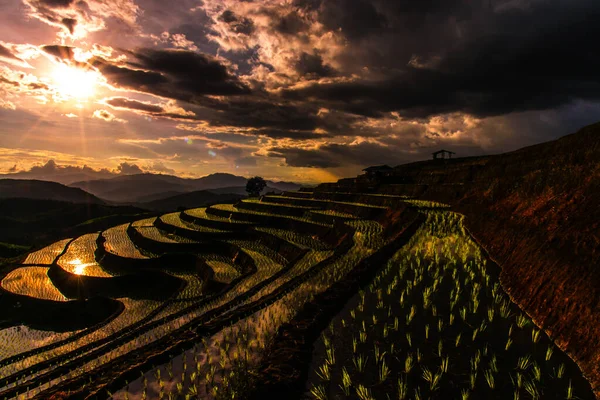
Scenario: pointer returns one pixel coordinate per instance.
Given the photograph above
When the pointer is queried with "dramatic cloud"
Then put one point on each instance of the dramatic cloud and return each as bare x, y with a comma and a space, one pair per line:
129, 169
107, 116
176, 74
295, 87
68, 174
169, 109
499, 61
312, 65
159, 167
7, 55
60, 52
79, 18
122, 102
237, 24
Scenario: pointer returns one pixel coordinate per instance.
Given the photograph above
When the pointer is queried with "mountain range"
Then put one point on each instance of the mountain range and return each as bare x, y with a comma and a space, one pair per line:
44, 190
141, 188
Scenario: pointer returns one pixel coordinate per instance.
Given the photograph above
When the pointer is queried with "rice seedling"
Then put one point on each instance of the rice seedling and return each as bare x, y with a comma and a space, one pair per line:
319, 392
438, 289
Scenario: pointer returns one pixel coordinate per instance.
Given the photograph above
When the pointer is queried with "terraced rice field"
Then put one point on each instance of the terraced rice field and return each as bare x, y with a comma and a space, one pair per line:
197, 299
33, 282
224, 271
79, 257
47, 255
118, 243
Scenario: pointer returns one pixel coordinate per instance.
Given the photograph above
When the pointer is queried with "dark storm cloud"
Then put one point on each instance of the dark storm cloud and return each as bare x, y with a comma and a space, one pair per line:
58, 51
276, 118
297, 157
190, 76
289, 24
311, 65
335, 155
236, 23
57, 3
515, 60
127, 77
176, 74
356, 18
70, 24
419, 59
122, 102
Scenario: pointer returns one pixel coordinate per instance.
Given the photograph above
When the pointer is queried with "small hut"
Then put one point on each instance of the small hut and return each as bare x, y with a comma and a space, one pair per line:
442, 154
378, 170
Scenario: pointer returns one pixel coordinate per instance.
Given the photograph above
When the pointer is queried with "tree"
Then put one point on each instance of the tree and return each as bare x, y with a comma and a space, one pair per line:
255, 186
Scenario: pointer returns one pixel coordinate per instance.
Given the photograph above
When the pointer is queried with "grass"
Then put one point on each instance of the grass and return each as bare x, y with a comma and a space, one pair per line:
12, 250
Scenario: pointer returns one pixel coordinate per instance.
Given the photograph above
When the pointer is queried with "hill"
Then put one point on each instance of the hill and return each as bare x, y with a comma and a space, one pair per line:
142, 187
43, 190
31, 223
536, 211
133, 188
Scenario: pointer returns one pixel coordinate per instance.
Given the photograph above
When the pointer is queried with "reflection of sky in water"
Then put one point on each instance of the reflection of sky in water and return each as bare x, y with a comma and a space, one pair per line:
79, 267
79, 258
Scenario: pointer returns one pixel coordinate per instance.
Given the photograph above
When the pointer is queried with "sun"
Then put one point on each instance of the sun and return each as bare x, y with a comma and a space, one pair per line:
75, 82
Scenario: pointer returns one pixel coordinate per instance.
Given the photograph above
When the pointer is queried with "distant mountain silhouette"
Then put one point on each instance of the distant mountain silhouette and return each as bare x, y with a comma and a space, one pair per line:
44, 190
189, 200
142, 188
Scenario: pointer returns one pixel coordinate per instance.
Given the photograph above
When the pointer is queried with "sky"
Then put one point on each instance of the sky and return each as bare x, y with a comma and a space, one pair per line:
298, 90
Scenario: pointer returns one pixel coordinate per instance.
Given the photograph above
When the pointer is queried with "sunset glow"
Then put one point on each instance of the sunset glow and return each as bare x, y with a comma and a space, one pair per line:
298, 91
75, 82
